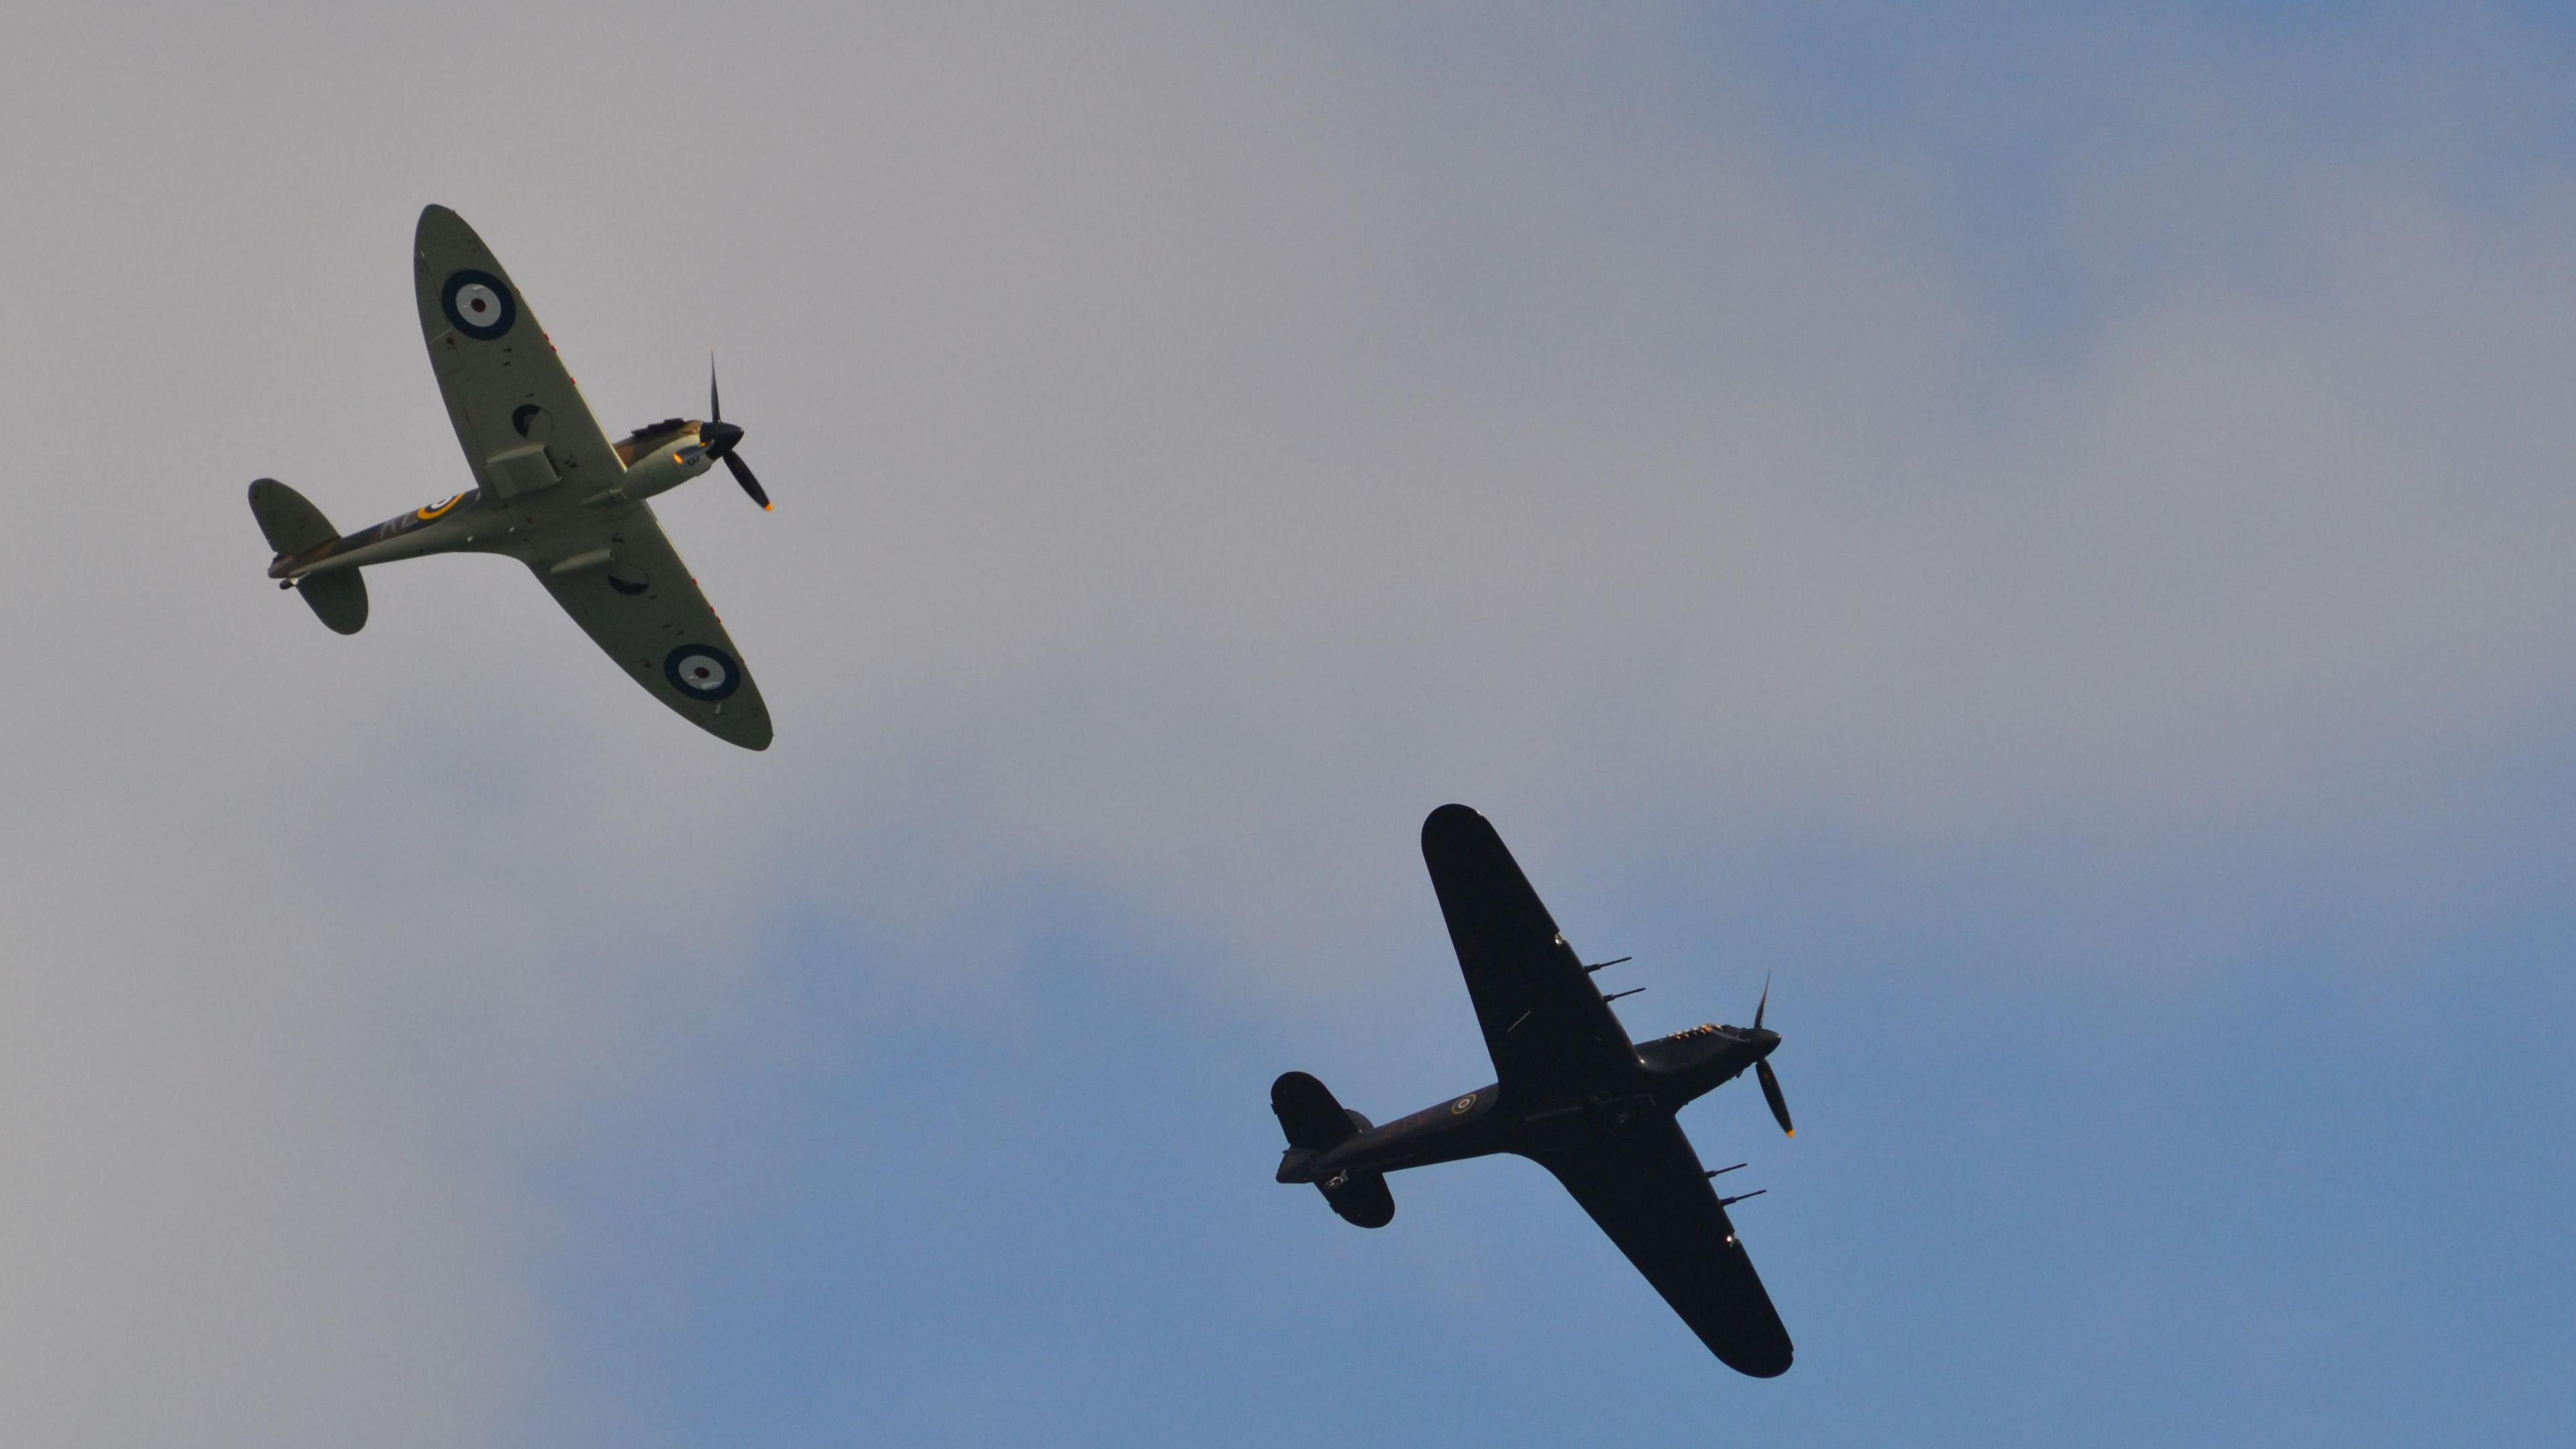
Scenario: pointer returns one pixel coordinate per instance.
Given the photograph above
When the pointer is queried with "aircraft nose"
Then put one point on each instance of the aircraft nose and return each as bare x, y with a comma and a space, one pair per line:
1764, 1042
718, 438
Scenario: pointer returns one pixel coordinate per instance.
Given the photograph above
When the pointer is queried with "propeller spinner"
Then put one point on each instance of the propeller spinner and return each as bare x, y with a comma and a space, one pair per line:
719, 438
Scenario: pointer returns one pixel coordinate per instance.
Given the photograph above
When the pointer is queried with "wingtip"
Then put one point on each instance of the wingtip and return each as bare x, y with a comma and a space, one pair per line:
1449, 818
756, 737
441, 227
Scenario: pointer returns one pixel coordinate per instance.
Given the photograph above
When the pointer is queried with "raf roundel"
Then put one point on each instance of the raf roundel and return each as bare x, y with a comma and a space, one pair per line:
479, 304
702, 671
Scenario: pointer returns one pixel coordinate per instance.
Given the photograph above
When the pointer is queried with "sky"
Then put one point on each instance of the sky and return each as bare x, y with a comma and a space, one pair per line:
2040, 531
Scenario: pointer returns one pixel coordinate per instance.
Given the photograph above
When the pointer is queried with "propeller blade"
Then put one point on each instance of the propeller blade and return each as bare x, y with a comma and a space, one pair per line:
1763, 1003
1771, 1094
720, 437
750, 485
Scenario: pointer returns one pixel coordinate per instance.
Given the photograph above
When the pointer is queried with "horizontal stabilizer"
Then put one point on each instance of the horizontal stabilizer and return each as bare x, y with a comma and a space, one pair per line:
339, 599
1361, 1198
290, 522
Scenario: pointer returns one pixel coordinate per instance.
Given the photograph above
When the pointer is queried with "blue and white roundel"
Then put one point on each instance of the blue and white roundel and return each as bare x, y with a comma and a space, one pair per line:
479, 304
702, 671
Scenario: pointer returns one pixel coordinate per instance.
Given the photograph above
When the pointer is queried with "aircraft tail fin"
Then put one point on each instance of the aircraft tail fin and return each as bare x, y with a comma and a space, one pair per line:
1315, 1124
293, 525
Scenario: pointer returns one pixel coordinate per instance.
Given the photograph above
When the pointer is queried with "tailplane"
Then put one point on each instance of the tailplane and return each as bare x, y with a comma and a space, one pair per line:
290, 521
293, 525
1315, 1124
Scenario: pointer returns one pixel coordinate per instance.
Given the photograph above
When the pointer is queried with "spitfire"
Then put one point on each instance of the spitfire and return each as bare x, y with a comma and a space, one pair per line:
551, 491
1575, 1095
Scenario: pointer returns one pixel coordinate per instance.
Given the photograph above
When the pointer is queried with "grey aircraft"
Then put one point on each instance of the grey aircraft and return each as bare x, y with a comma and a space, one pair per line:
551, 491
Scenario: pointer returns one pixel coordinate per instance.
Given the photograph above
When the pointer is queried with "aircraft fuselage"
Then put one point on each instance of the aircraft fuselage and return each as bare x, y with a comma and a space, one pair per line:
481, 521
1670, 1073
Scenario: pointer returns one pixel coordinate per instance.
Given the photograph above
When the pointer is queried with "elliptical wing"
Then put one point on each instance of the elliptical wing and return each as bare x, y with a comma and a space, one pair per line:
635, 599
522, 422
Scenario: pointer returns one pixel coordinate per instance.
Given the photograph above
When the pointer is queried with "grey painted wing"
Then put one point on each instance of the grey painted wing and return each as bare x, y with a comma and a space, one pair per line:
1644, 1186
523, 424
646, 611
1552, 1037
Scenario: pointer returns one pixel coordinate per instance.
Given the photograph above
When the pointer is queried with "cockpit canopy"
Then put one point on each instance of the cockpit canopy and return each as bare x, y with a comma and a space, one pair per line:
650, 436
1695, 1047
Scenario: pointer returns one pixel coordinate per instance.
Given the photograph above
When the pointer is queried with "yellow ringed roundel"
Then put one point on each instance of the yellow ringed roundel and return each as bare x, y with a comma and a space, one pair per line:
439, 508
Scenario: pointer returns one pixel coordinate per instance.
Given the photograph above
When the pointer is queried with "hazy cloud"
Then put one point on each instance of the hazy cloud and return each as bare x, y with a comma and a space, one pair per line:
1203, 442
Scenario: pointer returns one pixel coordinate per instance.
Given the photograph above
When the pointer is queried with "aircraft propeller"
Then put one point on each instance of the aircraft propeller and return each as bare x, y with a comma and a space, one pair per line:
719, 438
1762, 1069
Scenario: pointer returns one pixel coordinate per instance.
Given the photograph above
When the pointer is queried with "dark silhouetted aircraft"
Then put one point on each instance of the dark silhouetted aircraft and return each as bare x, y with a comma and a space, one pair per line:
1575, 1096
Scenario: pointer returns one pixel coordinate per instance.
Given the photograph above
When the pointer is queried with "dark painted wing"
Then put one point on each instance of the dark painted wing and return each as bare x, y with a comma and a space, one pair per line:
1552, 1037
1643, 1185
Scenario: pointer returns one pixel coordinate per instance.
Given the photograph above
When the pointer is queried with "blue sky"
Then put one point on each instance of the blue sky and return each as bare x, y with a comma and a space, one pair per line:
2044, 534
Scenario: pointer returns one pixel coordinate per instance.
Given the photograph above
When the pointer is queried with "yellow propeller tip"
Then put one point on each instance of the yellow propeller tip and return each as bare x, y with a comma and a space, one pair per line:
1793, 1131
769, 508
